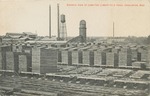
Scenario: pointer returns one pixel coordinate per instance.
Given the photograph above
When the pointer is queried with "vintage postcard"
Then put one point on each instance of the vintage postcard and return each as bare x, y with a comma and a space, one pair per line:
74, 47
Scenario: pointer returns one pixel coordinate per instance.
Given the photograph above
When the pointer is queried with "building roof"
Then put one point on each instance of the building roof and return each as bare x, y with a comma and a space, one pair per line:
47, 41
14, 35
29, 33
23, 38
78, 39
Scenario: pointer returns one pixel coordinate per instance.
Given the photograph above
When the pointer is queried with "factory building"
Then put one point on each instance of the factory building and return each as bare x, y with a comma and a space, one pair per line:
102, 57
81, 63
82, 33
48, 63
64, 56
28, 59
125, 57
75, 56
13, 38
97, 57
112, 59
44, 60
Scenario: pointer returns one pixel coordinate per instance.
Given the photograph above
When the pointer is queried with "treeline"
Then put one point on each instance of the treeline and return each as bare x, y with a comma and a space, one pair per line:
138, 40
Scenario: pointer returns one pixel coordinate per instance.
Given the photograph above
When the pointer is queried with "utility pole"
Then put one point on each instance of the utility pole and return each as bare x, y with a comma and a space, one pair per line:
49, 21
113, 33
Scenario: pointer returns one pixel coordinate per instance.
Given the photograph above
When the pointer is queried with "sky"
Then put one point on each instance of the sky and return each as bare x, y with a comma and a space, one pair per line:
130, 17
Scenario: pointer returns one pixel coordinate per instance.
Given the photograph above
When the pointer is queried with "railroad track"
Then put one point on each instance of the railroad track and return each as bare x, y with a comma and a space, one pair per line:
61, 87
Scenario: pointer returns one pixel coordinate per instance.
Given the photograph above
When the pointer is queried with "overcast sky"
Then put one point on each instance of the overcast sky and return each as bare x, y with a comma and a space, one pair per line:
32, 16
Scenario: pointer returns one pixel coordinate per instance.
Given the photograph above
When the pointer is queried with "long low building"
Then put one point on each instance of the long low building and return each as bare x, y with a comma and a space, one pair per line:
32, 56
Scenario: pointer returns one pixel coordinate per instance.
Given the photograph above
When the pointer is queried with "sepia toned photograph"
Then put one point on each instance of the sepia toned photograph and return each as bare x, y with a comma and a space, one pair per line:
74, 47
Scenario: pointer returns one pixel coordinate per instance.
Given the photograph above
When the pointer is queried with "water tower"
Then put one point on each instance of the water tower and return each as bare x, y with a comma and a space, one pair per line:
63, 30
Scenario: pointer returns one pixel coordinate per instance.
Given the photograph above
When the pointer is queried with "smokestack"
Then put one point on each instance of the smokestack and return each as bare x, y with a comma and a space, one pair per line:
49, 21
82, 29
113, 33
58, 21
113, 30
